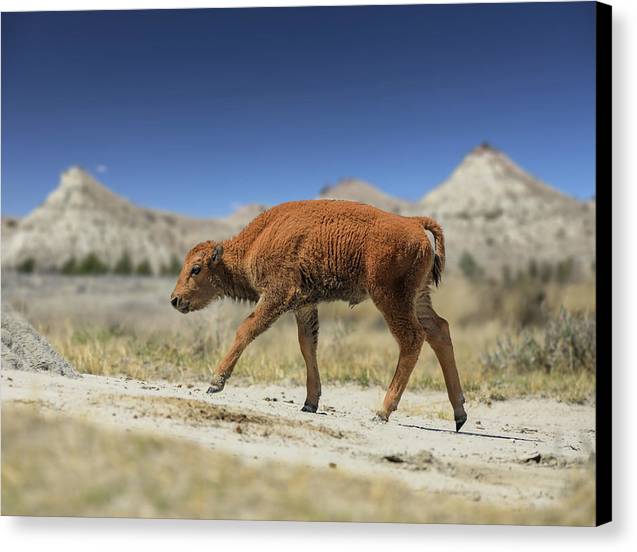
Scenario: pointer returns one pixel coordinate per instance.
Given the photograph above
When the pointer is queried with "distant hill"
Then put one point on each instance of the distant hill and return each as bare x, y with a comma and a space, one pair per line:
82, 216
359, 190
489, 207
501, 215
9, 226
244, 214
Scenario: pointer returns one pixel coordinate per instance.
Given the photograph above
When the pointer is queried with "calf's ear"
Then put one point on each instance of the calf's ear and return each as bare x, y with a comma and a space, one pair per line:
216, 254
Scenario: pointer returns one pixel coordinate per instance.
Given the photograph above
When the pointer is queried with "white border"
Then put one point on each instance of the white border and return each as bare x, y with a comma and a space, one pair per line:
53, 534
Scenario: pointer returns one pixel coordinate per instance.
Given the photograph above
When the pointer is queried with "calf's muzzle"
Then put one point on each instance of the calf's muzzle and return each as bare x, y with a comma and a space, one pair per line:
179, 303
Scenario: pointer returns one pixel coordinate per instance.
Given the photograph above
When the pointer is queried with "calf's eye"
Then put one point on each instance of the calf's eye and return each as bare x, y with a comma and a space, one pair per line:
195, 270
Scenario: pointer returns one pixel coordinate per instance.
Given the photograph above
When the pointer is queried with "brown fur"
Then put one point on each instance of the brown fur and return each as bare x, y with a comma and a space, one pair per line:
298, 254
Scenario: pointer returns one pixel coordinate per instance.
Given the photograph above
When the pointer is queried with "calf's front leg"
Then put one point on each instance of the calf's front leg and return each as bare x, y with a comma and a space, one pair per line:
308, 327
264, 315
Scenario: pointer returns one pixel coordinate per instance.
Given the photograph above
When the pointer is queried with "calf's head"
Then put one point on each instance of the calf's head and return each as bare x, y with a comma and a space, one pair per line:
198, 283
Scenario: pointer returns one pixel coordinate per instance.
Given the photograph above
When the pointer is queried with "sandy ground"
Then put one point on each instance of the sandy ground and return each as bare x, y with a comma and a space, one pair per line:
517, 452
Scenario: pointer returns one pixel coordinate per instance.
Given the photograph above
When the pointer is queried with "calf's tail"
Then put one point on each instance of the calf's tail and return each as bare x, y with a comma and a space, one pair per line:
439, 252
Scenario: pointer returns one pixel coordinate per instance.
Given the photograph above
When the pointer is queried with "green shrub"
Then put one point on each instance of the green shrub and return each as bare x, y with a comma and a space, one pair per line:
570, 341
172, 269
124, 266
144, 268
69, 266
564, 271
27, 266
91, 264
567, 345
528, 305
507, 277
470, 268
546, 272
533, 269
494, 214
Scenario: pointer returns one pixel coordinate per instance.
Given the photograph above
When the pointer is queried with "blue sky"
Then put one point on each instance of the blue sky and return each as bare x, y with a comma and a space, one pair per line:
196, 111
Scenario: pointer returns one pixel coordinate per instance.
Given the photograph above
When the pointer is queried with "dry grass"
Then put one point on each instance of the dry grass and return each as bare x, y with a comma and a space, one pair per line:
64, 467
345, 355
121, 327
566, 345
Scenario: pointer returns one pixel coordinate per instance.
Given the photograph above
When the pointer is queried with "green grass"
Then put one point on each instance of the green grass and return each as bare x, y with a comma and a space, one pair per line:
65, 467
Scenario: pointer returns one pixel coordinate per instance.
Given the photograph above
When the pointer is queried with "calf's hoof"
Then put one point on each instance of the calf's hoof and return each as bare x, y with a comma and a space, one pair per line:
460, 420
380, 417
216, 385
309, 408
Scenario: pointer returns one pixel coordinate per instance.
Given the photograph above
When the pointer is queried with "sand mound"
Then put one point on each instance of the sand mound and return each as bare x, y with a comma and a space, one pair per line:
25, 349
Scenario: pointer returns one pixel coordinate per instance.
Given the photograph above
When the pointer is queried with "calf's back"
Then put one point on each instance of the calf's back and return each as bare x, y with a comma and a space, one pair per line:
331, 249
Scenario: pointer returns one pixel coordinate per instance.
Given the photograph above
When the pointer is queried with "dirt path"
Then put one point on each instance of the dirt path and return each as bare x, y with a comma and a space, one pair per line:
516, 451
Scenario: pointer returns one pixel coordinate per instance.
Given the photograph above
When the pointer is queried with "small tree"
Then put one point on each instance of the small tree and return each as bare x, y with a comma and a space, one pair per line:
144, 268
507, 277
533, 270
171, 269
69, 266
124, 266
27, 266
564, 271
546, 272
91, 264
470, 268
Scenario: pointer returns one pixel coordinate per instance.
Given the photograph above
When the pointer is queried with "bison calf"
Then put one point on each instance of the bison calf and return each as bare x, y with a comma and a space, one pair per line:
298, 254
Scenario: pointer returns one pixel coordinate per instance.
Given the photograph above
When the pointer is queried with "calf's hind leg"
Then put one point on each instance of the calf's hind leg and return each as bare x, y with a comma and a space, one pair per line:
438, 336
409, 334
308, 326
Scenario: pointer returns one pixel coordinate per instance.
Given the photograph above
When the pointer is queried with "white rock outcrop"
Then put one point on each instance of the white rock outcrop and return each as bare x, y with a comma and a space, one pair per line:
25, 349
489, 207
